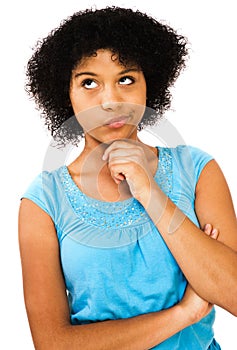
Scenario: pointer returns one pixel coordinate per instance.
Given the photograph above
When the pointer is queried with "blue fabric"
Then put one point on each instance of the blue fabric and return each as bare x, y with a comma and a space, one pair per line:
115, 262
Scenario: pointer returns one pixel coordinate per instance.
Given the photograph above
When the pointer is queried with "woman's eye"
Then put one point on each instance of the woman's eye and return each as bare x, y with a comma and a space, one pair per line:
89, 84
126, 81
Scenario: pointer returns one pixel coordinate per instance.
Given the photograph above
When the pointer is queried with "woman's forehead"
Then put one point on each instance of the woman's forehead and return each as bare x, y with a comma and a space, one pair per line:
106, 56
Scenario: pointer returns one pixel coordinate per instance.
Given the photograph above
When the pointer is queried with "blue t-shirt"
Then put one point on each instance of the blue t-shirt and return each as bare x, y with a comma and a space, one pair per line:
114, 260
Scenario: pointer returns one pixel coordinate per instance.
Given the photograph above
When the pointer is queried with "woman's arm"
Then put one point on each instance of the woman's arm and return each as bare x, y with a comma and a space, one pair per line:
209, 265
47, 305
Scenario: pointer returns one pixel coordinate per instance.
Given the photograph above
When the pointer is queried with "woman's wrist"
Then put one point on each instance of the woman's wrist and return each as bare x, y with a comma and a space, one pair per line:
193, 307
184, 315
153, 200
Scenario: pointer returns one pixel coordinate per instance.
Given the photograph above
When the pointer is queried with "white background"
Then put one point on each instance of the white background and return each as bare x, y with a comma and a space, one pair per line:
203, 111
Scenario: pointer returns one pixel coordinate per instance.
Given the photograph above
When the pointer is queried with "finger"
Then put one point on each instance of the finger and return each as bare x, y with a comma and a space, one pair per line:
118, 178
114, 146
117, 172
208, 229
214, 233
121, 155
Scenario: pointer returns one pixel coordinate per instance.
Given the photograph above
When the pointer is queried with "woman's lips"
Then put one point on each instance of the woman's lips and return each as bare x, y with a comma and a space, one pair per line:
116, 122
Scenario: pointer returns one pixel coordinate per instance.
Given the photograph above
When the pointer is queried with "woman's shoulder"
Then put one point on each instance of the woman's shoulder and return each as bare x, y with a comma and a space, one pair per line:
44, 189
188, 151
188, 158
45, 179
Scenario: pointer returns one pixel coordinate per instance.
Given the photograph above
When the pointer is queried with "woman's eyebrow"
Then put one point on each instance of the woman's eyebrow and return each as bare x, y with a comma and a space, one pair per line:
124, 71
85, 73
128, 70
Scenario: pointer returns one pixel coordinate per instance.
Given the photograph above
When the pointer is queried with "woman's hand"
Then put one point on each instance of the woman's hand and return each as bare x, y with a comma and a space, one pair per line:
194, 306
131, 160
210, 231
192, 303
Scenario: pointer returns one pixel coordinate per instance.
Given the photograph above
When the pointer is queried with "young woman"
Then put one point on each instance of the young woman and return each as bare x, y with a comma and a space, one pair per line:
112, 245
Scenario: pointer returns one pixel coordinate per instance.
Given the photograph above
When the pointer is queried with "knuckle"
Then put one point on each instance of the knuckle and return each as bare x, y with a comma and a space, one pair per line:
113, 167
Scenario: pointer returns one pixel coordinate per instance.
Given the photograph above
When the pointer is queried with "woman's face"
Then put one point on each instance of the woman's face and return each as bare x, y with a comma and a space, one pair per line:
108, 98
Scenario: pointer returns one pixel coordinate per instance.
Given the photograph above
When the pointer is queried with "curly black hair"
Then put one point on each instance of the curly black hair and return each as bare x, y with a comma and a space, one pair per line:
134, 36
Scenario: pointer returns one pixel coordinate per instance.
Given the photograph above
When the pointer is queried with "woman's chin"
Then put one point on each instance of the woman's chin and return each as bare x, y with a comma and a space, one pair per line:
109, 136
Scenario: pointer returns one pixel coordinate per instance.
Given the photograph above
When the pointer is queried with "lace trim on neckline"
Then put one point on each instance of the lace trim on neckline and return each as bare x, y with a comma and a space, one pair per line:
128, 212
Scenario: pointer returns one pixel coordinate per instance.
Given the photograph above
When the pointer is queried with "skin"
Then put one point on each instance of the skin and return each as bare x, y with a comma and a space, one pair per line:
105, 94
125, 167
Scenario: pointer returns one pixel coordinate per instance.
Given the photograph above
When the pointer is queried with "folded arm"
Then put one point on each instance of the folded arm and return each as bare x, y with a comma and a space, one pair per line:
47, 305
209, 265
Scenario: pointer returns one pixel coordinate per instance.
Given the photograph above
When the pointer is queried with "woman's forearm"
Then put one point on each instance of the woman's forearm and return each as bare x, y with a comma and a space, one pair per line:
138, 333
209, 266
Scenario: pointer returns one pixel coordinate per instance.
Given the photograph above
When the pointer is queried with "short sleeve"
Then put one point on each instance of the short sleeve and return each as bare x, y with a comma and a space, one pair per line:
40, 192
190, 161
200, 158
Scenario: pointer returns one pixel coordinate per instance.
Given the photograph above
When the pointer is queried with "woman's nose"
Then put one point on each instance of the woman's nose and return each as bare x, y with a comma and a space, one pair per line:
111, 99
